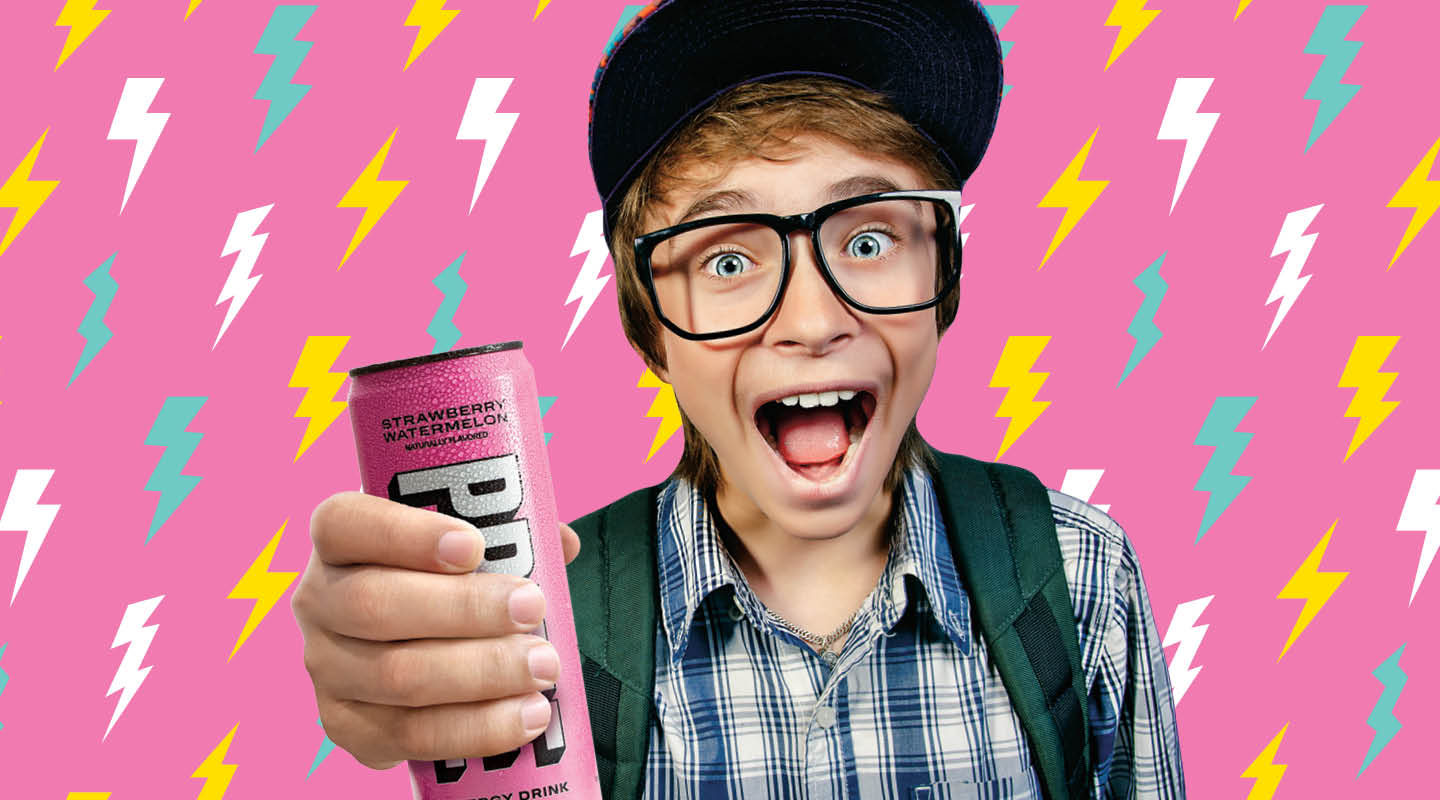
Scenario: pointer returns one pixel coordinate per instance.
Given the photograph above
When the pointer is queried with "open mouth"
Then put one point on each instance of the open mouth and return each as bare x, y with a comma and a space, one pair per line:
814, 433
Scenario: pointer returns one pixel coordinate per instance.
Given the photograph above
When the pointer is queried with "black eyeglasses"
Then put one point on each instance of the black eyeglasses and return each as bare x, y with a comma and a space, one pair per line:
886, 253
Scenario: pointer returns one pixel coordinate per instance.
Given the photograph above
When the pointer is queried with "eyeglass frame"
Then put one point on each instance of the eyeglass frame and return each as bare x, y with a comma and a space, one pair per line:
783, 226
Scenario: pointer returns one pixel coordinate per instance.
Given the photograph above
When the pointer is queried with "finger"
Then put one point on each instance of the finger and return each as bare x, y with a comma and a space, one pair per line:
380, 734
356, 528
387, 604
427, 672
570, 541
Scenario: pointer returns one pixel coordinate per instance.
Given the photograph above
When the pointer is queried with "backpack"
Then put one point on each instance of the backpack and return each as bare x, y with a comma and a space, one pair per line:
1001, 530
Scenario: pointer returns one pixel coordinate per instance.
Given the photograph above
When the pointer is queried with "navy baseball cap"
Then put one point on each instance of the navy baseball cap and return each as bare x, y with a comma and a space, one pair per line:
937, 61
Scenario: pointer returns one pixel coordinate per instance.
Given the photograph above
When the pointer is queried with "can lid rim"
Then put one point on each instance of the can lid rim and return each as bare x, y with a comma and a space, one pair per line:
432, 357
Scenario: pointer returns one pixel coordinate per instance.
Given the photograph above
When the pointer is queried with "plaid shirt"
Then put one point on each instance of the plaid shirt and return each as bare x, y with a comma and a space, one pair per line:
911, 708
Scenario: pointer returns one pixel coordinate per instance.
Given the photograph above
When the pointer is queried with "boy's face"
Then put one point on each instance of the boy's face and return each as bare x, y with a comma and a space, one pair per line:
812, 343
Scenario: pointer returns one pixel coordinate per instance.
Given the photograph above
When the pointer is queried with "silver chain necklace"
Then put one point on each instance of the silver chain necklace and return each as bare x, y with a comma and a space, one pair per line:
823, 642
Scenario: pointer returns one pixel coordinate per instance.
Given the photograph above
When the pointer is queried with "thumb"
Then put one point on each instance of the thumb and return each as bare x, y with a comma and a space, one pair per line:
570, 541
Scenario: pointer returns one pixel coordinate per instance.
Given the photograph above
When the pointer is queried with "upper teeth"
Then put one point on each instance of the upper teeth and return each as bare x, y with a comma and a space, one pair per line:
818, 398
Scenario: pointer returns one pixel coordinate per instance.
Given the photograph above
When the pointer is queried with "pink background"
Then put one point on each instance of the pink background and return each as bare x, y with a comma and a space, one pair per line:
517, 243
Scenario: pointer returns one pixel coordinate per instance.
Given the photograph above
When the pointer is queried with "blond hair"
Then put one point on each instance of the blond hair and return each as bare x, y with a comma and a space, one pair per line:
752, 120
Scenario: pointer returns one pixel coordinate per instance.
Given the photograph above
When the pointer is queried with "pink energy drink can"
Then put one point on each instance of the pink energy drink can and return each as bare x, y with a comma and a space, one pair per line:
459, 432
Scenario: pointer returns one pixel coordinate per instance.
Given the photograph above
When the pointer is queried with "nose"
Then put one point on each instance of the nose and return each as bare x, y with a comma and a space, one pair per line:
811, 317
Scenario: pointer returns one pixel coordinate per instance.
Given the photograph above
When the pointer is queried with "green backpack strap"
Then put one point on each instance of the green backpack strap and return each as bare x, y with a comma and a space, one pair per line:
1002, 532
614, 591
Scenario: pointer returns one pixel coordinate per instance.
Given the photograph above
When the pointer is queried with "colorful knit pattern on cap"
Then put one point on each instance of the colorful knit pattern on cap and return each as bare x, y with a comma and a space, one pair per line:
605, 59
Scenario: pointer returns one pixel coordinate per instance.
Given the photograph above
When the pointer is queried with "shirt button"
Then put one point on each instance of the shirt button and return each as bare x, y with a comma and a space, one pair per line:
830, 657
825, 716
736, 614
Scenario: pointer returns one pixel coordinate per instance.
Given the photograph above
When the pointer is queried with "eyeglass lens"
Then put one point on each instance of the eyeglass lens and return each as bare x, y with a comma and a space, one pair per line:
883, 253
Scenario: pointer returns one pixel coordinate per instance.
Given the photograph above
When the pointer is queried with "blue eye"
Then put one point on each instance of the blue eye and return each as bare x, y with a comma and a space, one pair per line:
727, 265
869, 244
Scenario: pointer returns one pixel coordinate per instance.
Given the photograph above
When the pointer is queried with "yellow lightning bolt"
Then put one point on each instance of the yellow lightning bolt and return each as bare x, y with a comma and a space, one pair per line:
1362, 373
664, 407
194, 4
539, 8
215, 771
1311, 585
1265, 771
372, 194
312, 373
82, 18
1419, 193
1132, 18
431, 17
1012, 371
261, 585
1073, 195
1240, 9
24, 195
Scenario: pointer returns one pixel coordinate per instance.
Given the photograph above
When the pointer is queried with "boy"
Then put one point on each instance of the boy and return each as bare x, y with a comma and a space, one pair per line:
808, 607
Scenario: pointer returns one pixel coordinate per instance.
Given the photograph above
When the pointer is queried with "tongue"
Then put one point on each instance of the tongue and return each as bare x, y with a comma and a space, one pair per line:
811, 436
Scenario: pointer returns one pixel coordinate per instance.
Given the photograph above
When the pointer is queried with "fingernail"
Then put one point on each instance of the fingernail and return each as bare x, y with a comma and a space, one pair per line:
527, 605
535, 714
457, 548
544, 662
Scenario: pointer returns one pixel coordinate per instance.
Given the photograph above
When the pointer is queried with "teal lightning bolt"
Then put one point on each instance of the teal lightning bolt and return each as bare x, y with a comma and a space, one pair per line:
1382, 716
545, 404
1142, 328
1329, 40
92, 327
169, 432
442, 327
626, 14
325, 747
279, 40
1219, 431
4, 679
999, 15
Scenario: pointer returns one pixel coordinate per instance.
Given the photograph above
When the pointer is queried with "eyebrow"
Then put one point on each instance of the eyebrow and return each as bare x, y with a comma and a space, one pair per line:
737, 200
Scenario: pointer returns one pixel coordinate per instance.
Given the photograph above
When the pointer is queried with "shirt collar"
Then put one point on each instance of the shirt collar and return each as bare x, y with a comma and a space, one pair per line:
922, 550
693, 562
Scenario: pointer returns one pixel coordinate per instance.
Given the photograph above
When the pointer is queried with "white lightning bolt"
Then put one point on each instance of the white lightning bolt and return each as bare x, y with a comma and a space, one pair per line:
1183, 631
1297, 244
23, 512
240, 283
133, 121
483, 120
1183, 121
1081, 483
964, 237
1421, 512
591, 242
134, 632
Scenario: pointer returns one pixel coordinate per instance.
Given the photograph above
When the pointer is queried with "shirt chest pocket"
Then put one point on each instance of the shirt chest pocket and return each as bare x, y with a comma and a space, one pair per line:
1019, 786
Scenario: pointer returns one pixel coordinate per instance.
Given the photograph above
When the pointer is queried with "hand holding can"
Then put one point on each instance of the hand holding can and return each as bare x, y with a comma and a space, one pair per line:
459, 433
412, 653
